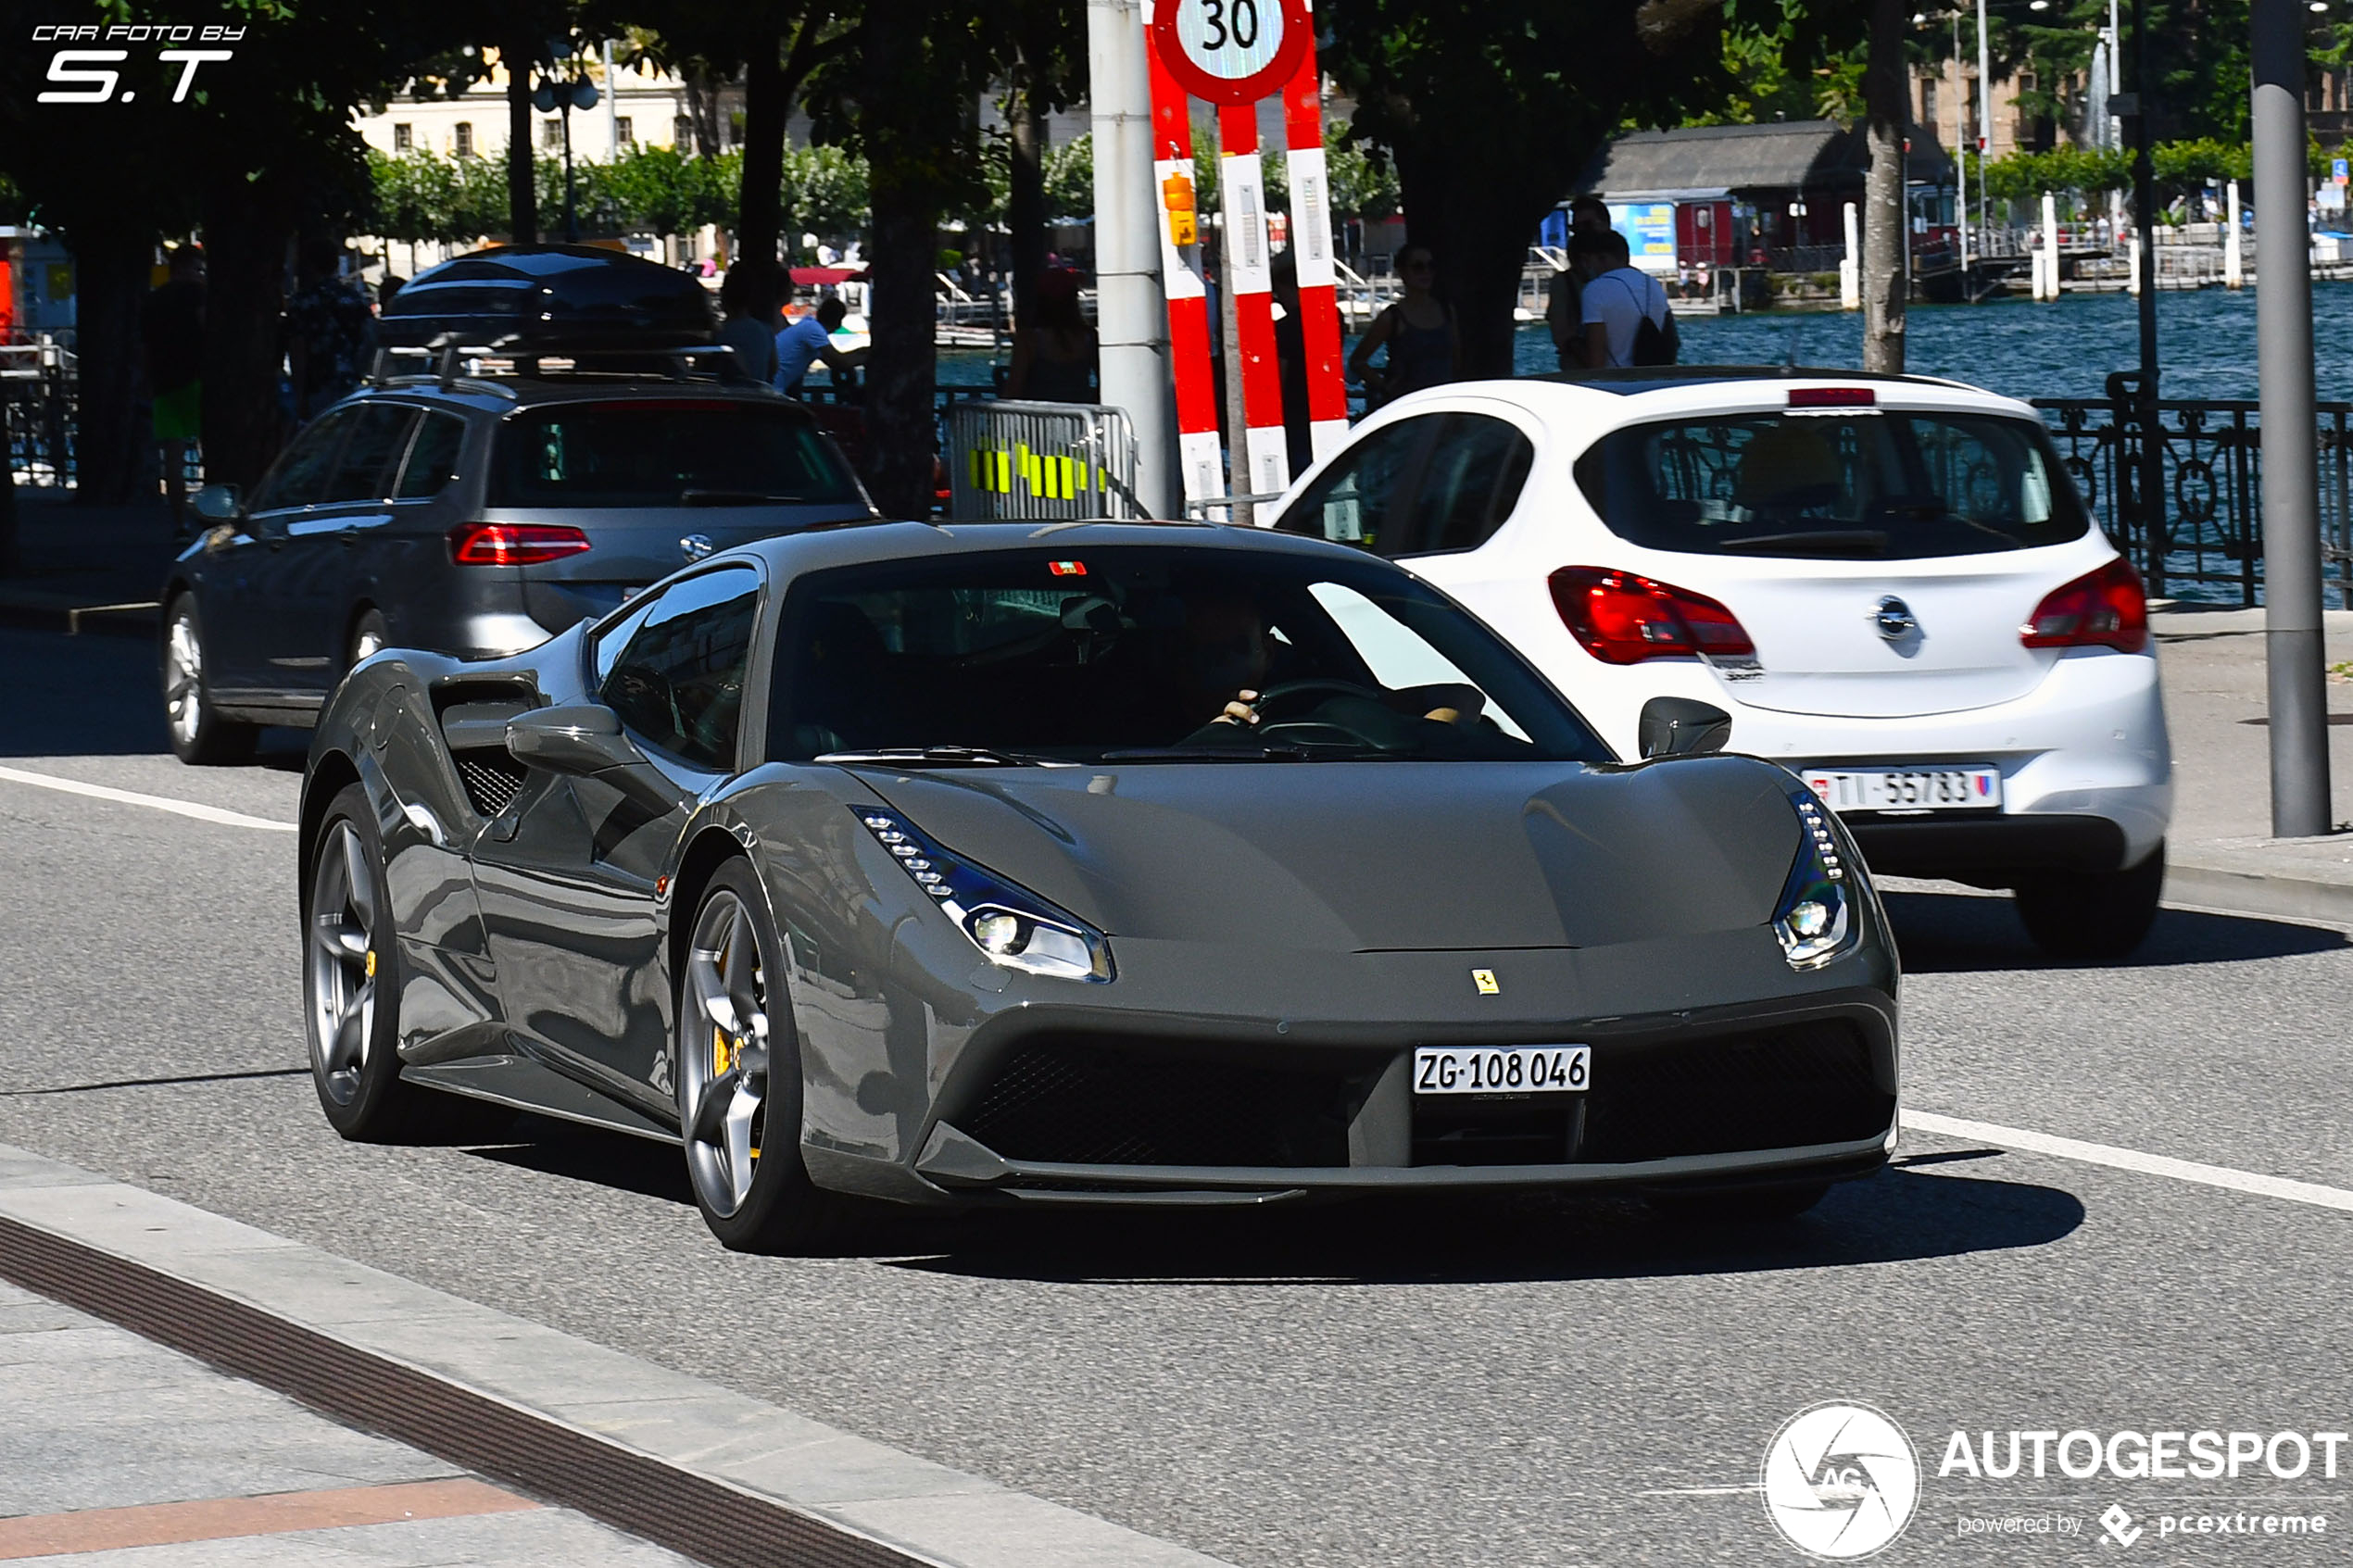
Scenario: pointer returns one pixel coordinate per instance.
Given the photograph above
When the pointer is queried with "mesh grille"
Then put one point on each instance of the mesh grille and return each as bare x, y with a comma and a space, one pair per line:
1085, 1102
1808, 1084
492, 782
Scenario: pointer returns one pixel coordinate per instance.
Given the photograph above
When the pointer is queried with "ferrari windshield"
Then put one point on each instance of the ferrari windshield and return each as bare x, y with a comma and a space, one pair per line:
1147, 654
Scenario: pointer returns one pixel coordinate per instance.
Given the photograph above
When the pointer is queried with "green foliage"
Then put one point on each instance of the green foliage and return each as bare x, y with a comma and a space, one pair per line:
824, 191
1362, 185
1070, 180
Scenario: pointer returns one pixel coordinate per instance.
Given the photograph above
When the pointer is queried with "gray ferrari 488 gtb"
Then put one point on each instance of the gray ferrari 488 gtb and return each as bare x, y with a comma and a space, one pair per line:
1101, 863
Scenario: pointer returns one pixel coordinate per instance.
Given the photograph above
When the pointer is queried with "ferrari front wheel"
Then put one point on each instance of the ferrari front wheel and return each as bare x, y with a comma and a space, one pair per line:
738, 1077
351, 987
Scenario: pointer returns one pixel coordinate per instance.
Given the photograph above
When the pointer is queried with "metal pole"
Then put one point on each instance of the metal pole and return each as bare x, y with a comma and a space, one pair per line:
1960, 153
1131, 315
1984, 111
2151, 484
2291, 498
612, 111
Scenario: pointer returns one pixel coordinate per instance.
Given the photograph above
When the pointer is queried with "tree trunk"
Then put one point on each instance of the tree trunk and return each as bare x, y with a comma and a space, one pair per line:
904, 192
759, 215
110, 278
702, 112
247, 225
522, 178
1885, 97
900, 440
1478, 229
1025, 182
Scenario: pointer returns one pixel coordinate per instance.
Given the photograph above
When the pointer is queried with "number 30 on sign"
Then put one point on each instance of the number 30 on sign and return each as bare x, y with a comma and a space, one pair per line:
1230, 51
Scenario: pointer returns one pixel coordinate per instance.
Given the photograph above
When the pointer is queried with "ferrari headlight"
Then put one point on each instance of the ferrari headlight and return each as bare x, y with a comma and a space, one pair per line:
1815, 918
1010, 924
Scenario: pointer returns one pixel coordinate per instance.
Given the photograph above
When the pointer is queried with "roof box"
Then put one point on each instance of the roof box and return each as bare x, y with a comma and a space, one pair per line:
552, 298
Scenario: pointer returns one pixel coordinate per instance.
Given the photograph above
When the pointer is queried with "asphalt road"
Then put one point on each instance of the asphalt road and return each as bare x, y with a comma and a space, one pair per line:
1527, 1382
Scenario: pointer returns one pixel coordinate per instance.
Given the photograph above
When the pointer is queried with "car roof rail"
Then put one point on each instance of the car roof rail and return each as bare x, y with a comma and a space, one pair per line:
686, 361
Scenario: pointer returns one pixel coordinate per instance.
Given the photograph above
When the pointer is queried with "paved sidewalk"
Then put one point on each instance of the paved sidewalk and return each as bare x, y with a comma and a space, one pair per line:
2221, 853
71, 557
118, 1452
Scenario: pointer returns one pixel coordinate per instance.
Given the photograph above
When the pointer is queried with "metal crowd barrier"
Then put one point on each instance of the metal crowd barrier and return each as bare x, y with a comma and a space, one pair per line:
1042, 461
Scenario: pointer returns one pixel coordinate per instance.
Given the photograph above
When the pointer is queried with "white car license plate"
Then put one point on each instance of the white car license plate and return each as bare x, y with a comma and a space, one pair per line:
1906, 789
1502, 1069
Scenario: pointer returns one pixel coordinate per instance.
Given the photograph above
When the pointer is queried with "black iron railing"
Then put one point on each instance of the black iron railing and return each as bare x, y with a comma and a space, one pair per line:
2204, 538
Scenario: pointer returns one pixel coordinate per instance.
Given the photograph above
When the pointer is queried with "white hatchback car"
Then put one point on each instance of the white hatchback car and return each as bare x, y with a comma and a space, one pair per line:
1890, 584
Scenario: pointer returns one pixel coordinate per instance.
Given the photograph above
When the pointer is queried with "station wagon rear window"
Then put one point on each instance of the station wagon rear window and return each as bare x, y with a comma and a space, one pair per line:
666, 454
1849, 482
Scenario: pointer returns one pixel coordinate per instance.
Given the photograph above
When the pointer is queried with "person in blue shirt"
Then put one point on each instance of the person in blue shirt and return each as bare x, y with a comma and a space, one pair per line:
808, 339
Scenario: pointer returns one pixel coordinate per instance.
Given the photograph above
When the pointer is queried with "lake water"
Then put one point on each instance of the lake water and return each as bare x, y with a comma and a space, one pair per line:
2062, 348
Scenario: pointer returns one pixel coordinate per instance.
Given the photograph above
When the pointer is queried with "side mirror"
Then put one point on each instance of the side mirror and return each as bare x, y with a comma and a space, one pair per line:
218, 503
587, 742
1678, 726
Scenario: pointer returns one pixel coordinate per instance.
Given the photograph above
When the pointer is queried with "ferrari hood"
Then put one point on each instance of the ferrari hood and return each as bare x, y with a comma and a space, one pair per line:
1377, 857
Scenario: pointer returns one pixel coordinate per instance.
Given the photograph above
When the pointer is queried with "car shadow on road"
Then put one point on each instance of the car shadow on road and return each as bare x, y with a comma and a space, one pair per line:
97, 697
1945, 933
1900, 1214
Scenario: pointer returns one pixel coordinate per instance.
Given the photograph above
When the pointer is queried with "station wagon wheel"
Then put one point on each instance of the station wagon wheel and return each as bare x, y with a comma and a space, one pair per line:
199, 735
350, 972
738, 1076
369, 635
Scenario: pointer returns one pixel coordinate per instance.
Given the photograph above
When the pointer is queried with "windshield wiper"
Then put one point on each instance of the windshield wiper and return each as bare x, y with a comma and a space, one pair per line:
1847, 541
1274, 753
736, 498
944, 757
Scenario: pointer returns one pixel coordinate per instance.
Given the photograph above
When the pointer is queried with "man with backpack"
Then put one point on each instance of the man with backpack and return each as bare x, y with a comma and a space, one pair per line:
1627, 318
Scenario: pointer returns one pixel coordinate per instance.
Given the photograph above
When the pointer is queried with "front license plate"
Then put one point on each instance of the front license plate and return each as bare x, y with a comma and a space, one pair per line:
1502, 1069
1907, 789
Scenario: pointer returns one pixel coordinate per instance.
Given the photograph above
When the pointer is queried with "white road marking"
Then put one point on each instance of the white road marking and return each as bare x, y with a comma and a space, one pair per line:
155, 802
2132, 1159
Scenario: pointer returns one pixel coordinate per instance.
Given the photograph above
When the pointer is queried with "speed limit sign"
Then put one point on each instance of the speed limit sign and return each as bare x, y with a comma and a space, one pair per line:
1231, 51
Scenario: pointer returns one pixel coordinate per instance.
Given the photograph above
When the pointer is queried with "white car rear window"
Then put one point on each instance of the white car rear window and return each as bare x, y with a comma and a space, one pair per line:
1875, 484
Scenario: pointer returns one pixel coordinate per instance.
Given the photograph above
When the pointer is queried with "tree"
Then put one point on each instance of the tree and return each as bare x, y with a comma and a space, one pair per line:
1887, 101
907, 101
1490, 109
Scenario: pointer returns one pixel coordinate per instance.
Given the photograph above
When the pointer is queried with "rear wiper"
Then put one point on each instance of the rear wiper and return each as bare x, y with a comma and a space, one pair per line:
734, 498
944, 757
1852, 540
1275, 753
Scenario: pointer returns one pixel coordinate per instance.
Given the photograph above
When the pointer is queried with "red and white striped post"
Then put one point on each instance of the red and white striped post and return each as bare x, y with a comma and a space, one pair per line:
1311, 247
1241, 211
1199, 462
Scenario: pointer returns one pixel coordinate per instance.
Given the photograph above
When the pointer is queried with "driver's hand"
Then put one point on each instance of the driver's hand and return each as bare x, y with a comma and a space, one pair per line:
1243, 710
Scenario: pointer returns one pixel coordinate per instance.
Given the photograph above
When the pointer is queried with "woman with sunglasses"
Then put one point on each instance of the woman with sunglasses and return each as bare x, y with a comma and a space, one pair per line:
1418, 330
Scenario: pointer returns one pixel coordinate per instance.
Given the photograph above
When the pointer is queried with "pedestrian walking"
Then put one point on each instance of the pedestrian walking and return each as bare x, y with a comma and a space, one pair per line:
1627, 319
1424, 349
748, 301
1563, 306
329, 331
1054, 360
171, 329
809, 339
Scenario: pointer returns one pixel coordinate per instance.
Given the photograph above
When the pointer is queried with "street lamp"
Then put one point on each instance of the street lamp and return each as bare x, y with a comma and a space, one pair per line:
567, 92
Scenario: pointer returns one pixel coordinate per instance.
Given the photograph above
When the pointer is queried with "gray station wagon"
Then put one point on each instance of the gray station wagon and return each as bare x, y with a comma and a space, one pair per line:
474, 515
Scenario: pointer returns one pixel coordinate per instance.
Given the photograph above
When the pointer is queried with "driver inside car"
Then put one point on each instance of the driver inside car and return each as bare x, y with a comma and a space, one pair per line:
1227, 652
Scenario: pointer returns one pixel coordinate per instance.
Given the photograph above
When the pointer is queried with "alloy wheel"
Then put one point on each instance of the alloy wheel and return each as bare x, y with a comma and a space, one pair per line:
723, 1053
183, 679
340, 966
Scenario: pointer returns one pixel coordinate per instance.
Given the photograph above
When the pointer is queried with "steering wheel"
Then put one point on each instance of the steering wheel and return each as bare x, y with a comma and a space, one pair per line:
1283, 691
1288, 695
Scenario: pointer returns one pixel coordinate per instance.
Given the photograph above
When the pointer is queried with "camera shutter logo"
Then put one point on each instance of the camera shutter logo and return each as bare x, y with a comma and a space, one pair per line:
1840, 1480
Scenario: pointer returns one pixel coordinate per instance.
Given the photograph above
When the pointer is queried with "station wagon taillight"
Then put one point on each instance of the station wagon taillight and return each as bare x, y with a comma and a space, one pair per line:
1623, 618
515, 543
2102, 608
